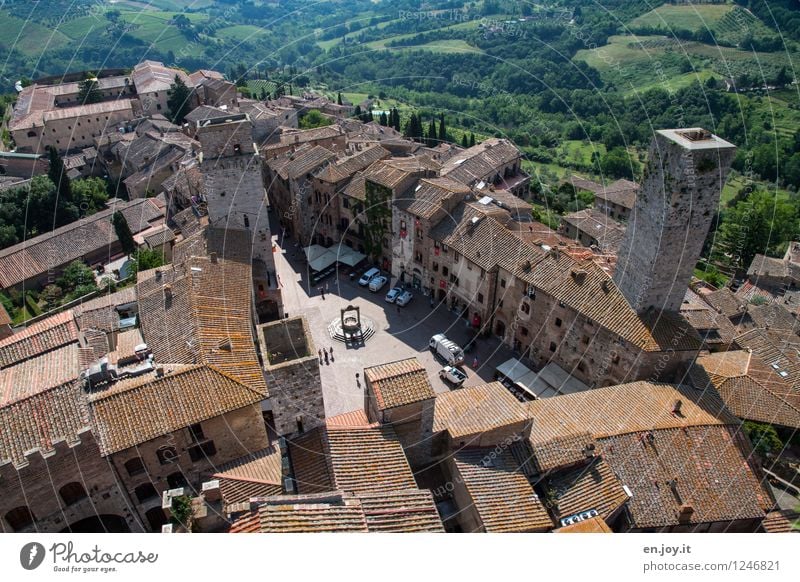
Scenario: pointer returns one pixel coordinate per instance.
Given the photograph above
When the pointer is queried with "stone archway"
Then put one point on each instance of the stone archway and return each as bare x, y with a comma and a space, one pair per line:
107, 523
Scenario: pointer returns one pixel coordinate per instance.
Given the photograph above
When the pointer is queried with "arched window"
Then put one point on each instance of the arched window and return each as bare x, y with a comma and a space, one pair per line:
20, 517
145, 491
31, 134
134, 466
72, 493
156, 518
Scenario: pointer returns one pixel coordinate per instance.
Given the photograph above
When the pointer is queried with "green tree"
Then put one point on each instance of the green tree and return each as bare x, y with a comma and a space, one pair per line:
89, 90
442, 129
759, 224
764, 437
76, 276
619, 164
314, 119
471, 139
179, 100
124, 233
145, 259
464, 141
90, 193
339, 98
58, 175
52, 296
431, 141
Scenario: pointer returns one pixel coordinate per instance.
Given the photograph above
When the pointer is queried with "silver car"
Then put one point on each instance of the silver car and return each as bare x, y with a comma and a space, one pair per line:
403, 299
377, 283
393, 294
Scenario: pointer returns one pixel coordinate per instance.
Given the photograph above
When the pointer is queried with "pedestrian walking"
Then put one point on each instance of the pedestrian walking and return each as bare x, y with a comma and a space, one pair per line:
322, 290
320, 356
331, 350
475, 363
326, 357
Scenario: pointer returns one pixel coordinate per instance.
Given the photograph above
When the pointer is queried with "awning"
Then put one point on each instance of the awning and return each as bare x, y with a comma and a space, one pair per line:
347, 256
323, 261
314, 252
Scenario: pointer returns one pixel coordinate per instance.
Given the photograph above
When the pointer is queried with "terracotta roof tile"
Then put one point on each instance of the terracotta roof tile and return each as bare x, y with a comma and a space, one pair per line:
750, 389
590, 486
473, 411
624, 409
42, 336
785, 521
500, 494
591, 525
711, 474
406, 511
399, 383
135, 411
73, 241
724, 301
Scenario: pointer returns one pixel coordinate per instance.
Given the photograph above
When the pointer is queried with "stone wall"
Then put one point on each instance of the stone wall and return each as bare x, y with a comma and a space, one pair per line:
291, 371
673, 211
38, 485
234, 434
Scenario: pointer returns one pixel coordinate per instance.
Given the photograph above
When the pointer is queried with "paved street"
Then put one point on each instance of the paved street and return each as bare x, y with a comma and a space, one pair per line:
398, 334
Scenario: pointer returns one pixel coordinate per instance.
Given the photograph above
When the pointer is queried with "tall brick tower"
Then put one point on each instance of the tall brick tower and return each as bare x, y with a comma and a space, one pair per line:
685, 172
237, 210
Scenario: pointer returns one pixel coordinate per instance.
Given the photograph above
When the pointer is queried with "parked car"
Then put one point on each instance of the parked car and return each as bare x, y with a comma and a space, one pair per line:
377, 283
393, 294
368, 276
447, 350
453, 375
403, 299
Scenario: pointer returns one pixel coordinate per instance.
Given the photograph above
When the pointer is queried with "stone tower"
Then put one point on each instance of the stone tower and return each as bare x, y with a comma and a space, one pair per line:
234, 193
680, 191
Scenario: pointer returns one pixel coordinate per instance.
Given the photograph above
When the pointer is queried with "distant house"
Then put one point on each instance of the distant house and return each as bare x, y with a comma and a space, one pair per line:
41, 259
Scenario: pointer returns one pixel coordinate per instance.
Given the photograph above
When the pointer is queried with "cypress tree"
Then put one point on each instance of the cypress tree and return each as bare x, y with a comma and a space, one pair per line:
339, 99
471, 139
442, 129
58, 176
432, 134
464, 141
123, 233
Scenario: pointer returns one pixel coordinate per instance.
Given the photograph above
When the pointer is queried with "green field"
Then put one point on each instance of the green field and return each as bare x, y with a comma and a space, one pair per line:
154, 28
241, 32
642, 62
441, 46
729, 24
29, 37
687, 16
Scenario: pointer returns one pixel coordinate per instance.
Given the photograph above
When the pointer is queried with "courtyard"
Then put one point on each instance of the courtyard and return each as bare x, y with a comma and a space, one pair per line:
400, 332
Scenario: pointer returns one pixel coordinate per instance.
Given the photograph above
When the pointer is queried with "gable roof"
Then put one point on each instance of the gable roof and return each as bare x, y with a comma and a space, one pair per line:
592, 485
499, 493
40, 337
470, 412
480, 160
199, 312
137, 410
750, 389
41, 403
399, 383
702, 467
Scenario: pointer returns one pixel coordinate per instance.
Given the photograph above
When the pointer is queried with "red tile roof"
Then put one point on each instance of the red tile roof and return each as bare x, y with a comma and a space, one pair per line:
399, 383
42, 336
137, 410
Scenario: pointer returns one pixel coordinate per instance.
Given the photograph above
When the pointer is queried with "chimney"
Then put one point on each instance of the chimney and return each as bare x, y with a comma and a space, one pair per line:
159, 275
167, 292
605, 286
579, 275
685, 514
676, 407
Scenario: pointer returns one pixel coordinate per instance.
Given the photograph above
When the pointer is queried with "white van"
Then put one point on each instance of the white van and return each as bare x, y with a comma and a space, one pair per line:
449, 351
368, 276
